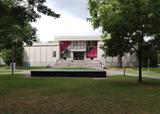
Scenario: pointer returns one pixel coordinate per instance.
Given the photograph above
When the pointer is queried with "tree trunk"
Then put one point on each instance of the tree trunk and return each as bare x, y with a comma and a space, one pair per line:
131, 62
13, 58
120, 61
140, 57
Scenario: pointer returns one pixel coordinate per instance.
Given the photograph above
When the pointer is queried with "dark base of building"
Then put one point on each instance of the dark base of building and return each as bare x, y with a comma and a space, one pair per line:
69, 73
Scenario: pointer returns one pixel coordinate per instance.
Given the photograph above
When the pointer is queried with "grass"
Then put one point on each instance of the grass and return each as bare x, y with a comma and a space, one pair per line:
32, 68
145, 71
114, 95
6, 69
156, 70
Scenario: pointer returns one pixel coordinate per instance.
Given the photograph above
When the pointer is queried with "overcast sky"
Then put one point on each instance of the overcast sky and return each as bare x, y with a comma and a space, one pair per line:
72, 20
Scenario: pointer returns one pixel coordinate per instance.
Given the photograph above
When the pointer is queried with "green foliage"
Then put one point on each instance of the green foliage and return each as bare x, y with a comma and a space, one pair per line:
151, 55
110, 46
15, 19
7, 55
158, 57
26, 34
153, 49
19, 55
15, 27
126, 19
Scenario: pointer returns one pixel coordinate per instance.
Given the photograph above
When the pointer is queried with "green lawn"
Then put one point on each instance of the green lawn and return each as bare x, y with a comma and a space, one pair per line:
32, 68
145, 71
7, 70
114, 95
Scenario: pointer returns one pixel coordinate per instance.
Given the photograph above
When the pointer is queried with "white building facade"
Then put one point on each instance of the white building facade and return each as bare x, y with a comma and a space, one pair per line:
70, 49
41, 54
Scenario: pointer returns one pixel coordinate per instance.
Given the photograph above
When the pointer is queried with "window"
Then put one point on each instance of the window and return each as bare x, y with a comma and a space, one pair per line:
74, 45
81, 45
54, 53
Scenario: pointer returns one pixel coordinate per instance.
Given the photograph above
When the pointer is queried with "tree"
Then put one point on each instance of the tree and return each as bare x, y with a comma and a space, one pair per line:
131, 19
15, 19
17, 14
154, 48
27, 34
151, 55
155, 41
110, 47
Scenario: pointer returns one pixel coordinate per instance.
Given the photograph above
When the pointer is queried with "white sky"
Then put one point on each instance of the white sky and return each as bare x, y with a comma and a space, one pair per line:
72, 20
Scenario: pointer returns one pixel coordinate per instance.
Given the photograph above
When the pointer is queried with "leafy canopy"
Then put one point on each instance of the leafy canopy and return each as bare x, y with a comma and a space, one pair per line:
15, 18
126, 21
126, 18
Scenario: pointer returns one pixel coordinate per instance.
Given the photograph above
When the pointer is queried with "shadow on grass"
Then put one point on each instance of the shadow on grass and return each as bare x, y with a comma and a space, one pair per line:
133, 81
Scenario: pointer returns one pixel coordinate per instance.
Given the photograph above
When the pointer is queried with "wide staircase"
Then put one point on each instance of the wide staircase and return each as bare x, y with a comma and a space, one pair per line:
79, 63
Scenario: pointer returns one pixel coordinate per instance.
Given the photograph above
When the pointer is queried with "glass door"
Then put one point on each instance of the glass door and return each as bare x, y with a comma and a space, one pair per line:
78, 55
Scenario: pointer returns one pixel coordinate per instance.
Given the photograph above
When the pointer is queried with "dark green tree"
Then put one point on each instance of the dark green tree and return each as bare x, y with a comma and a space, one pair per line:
131, 19
153, 47
150, 57
17, 14
110, 47
27, 35
15, 18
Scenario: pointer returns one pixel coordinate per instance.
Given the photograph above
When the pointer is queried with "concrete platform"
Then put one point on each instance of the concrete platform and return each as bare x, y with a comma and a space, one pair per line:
69, 73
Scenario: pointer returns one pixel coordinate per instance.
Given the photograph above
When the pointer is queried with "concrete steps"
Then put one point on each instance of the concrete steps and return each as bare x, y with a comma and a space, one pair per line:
78, 63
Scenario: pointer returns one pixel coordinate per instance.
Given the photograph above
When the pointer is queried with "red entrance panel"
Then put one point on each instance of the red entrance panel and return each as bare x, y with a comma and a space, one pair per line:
64, 45
92, 53
92, 49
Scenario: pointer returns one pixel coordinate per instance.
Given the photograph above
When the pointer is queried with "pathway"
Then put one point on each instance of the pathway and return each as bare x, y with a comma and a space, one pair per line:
116, 71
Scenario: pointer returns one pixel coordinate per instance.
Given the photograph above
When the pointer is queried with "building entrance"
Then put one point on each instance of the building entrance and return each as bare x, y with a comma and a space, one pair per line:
78, 55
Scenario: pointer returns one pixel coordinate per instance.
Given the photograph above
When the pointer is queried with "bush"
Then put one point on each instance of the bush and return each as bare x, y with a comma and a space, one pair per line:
150, 53
7, 56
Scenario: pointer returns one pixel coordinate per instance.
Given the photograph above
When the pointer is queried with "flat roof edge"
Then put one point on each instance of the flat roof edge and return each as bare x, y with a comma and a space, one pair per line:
77, 38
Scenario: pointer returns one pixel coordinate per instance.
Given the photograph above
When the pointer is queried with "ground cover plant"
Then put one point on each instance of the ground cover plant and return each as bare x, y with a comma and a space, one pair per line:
113, 95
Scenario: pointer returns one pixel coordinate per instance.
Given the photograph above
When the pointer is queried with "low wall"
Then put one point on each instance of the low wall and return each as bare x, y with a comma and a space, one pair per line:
69, 73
